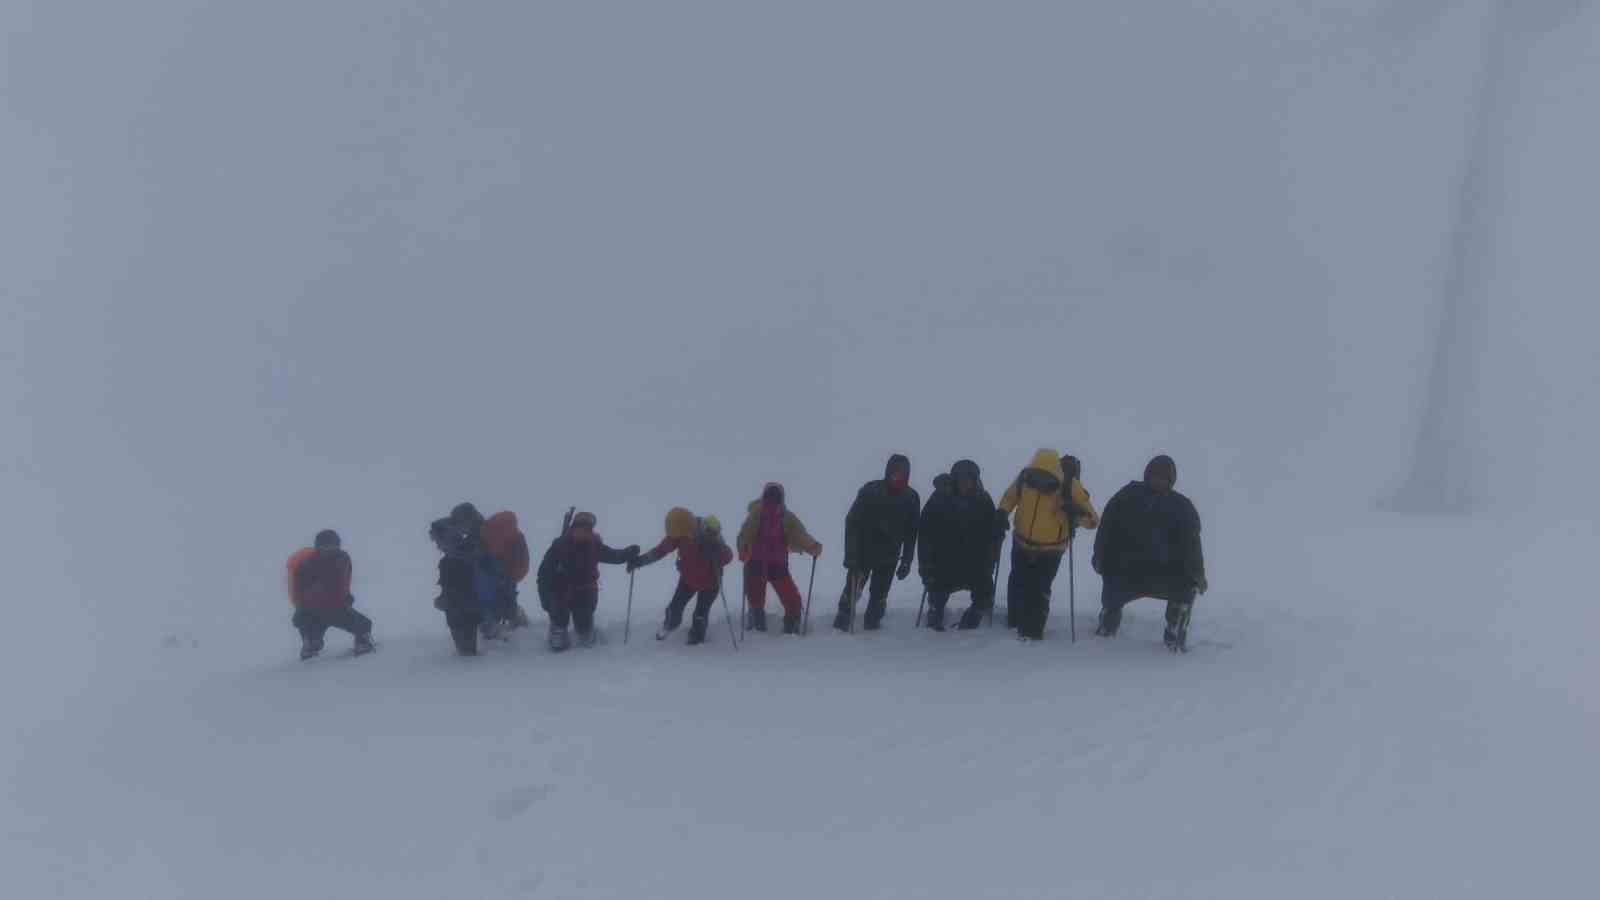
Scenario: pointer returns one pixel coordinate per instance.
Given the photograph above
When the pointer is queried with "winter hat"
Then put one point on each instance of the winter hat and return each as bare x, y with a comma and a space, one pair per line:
1162, 465
465, 515
943, 482
711, 524
772, 493
583, 520
680, 522
899, 462
1072, 467
966, 468
327, 539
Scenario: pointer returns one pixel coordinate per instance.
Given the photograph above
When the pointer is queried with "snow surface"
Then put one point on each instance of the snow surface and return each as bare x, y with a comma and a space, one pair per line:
268, 268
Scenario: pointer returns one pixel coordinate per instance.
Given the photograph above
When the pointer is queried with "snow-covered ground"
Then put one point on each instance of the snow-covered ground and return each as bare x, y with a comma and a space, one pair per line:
269, 268
1372, 708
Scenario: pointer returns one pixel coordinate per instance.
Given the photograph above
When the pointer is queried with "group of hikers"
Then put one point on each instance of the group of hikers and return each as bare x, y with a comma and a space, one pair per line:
1147, 544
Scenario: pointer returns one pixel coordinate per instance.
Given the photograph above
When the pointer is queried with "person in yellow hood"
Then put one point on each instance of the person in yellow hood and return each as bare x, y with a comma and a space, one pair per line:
1043, 507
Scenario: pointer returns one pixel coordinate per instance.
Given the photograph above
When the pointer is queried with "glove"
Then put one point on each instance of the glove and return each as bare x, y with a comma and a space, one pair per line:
632, 552
816, 550
1201, 585
633, 565
905, 570
744, 555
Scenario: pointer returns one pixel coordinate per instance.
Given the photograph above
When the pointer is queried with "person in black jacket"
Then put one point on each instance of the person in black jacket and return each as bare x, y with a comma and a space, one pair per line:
958, 544
569, 579
466, 586
879, 532
1149, 546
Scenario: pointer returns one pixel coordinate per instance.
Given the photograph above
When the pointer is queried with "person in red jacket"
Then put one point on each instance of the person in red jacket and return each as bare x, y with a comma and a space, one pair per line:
702, 555
319, 590
569, 579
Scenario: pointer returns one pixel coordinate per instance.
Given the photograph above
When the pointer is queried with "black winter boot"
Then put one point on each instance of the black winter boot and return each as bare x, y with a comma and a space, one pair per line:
936, 619
791, 623
363, 644
971, 619
844, 619
674, 618
697, 631
758, 619
1110, 621
309, 646
1177, 634
873, 620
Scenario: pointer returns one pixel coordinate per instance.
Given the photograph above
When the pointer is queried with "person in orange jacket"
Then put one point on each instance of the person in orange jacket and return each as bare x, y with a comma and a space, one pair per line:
319, 590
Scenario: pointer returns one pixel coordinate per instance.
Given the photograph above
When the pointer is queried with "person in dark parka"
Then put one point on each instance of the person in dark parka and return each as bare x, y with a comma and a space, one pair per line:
1149, 546
569, 579
957, 545
880, 541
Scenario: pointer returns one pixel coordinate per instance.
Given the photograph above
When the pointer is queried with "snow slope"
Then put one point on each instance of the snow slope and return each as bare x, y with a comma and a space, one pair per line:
266, 268
1331, 734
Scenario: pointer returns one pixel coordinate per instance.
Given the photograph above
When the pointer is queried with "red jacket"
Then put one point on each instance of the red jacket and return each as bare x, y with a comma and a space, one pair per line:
318, 581
696, 568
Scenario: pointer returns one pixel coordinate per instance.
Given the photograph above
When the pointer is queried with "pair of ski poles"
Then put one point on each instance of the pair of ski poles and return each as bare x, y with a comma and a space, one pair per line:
627, 623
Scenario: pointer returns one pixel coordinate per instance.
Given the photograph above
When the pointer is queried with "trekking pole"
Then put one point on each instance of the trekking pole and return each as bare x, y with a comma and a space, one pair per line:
920, 605
728, 614
995, 580
627, 623
805, 626
1072, 593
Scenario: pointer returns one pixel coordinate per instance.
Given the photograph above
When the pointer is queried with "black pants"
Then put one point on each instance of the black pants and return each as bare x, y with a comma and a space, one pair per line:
702, 604
1033, 576
1120, 590
575, 605
314, 623
463, 623
979, 583
877, 580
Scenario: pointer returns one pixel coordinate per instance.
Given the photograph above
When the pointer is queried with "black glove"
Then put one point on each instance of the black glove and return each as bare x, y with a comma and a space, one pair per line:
905, 569
633, 565
1002, 521
632, 553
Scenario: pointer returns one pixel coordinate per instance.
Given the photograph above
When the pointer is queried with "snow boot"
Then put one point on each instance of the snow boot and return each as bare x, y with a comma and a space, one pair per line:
971, 619
673, 620
1110, 621
936, 619
697, 631
1176, 636
791, 623
873, 620
363, 645
490, 631
518, 618
844, 619
559, 639
309, 647
588, 638
758, 619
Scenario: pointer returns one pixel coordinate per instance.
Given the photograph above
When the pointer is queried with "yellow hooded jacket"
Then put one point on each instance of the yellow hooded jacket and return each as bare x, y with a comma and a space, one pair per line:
1040, 523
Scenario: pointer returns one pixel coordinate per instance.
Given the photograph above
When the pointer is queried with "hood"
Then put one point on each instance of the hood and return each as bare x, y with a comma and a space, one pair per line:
1165, 464
773, 490
966, 468
897, 461
680, 522
1048, 462
944, 482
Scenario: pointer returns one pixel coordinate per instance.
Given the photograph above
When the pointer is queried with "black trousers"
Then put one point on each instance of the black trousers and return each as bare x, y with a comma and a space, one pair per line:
979, 583
314, 623
1120, 590
878, 580
1033, 577
575, 606
703, 600
463, 624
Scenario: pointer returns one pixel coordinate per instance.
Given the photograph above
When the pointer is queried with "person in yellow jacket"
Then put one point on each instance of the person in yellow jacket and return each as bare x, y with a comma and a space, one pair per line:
1043, 507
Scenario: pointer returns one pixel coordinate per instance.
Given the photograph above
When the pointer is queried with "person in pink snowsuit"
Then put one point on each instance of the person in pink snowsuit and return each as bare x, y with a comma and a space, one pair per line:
770, 533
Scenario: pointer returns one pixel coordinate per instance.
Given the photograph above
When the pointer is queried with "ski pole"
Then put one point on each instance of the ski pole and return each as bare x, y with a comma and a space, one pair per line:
728, 615
920, 605
805, 626
1072, 593
627, 623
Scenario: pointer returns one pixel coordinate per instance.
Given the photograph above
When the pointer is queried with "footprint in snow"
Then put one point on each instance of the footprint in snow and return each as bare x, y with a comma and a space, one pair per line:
518, 801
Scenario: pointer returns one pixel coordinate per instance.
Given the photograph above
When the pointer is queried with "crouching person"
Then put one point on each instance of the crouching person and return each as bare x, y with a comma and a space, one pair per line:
1149, 546
319, 589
